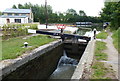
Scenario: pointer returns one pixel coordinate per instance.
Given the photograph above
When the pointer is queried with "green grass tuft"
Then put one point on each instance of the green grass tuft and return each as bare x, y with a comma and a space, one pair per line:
100, 46
116, 39
99, 70
102, 35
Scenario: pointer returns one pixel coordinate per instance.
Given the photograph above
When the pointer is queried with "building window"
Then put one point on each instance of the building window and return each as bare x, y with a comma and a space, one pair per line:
17, 20
8, 20
24, 14
16, 14
9, 14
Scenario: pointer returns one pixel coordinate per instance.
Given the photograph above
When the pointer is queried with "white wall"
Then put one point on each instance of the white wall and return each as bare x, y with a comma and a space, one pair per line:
12, 20
24, 20
3, 21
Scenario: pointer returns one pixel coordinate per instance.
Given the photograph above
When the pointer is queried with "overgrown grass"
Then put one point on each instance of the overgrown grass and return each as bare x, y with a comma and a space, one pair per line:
102, 35
100, 46
116, 39
13, 47
99, 71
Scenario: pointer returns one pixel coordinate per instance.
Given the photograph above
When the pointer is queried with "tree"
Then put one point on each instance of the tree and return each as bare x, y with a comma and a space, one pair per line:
82, 13
0, 13
61, 17
53, 18
14, 6
28, 5
110, 13
20, 6
71, 11
70, 16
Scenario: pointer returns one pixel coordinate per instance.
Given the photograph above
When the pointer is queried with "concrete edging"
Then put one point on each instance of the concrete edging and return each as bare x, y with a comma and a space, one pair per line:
82, 70
8, 66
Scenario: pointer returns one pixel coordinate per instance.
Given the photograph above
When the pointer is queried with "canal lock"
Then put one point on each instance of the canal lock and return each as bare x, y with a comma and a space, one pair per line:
72, 52
57, 63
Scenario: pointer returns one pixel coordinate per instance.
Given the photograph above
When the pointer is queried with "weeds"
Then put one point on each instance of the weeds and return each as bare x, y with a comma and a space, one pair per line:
100, 46
15, 30
102, 35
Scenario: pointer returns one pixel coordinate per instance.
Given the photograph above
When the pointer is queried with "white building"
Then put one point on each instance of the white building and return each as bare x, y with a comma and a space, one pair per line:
16, 16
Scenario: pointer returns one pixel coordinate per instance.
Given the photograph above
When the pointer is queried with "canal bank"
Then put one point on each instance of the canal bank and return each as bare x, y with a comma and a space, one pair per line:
83, 69
41, 63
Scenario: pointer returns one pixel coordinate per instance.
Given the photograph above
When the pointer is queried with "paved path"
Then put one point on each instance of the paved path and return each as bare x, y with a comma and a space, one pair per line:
1, 33
112, 54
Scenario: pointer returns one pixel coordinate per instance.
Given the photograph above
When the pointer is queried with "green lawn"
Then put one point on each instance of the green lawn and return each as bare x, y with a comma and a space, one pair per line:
102, 35
14, 47
116, 39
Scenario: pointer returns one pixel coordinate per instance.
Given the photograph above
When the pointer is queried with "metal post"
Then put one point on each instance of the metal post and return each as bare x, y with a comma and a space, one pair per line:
46, 13
61, 30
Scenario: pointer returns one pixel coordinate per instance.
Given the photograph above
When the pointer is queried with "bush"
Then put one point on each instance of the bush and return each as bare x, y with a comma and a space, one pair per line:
15, 30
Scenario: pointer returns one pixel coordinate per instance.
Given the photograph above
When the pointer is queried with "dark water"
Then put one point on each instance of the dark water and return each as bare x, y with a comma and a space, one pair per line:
65, 68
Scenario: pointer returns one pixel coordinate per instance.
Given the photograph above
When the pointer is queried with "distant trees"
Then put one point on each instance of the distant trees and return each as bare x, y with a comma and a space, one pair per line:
0, 13
111, 13
70, 16
71, 11
82, 13
14, 6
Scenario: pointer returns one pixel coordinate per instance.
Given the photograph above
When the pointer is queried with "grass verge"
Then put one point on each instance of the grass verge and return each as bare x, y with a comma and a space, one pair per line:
99, 69
13, 47
99, 54
102, 35
116, 39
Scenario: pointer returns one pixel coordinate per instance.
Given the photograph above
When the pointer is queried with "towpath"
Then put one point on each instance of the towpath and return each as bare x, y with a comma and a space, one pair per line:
112, 55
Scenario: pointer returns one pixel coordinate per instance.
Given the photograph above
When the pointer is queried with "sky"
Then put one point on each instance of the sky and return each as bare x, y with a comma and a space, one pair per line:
90, 7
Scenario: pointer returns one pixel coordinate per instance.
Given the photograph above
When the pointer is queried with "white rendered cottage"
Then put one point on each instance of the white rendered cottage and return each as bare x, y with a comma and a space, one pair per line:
16, 16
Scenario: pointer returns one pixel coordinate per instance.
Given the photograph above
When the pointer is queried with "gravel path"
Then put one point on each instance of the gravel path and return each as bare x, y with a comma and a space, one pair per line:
112, 55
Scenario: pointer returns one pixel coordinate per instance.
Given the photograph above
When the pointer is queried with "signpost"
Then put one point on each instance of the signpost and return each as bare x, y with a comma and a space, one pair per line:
61, 26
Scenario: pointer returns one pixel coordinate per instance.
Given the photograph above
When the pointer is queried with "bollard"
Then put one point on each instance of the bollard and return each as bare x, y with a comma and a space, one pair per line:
25, 44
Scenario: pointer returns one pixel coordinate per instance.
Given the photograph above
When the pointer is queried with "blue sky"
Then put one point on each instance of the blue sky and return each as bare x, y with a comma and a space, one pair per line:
91, 7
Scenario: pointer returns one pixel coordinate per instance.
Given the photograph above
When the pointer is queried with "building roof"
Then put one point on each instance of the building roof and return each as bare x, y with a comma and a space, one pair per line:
11, 10
10, 16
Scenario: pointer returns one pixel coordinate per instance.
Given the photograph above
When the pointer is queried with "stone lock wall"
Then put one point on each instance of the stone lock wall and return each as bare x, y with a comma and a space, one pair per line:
40, 67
